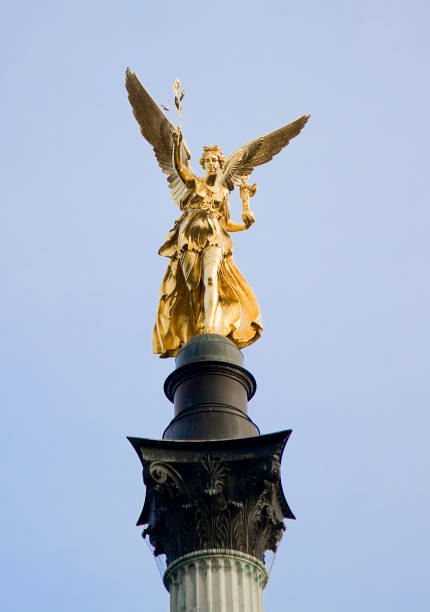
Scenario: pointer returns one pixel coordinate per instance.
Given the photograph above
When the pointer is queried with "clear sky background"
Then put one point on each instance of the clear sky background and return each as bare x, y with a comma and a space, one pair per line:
338, 258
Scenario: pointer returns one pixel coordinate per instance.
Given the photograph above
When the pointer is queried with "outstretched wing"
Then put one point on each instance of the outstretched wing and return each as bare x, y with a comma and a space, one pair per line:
157, 130
243, 161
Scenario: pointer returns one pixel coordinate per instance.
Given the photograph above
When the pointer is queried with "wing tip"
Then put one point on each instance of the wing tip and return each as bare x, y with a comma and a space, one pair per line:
130, 77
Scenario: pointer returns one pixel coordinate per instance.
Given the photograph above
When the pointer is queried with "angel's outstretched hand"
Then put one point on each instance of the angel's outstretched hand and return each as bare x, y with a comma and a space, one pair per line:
248, 218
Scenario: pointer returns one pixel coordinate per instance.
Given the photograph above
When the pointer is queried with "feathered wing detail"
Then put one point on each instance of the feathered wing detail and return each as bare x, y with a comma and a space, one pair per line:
243, 161
157, 130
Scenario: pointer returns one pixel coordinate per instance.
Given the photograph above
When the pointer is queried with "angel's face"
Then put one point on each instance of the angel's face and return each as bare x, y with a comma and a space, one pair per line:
211, 164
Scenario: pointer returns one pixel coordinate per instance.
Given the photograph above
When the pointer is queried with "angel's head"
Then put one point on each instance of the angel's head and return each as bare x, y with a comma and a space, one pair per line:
212, 159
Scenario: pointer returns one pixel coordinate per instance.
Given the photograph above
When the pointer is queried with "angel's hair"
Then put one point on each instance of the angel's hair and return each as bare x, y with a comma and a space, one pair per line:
215, 149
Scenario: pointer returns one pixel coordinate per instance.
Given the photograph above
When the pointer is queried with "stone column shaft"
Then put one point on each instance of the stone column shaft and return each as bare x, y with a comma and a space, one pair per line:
216, 581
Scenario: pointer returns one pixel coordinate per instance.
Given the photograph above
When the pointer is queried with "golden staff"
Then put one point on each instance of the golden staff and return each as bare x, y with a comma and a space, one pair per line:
178, 100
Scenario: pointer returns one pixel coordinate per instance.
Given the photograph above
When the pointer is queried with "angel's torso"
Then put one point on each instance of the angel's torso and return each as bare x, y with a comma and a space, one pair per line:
205, 214
212, 198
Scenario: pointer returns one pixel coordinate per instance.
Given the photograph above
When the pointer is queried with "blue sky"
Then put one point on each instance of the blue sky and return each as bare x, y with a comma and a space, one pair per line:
338, 259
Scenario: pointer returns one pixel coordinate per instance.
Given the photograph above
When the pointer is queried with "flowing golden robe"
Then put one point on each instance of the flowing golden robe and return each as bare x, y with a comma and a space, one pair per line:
180, 311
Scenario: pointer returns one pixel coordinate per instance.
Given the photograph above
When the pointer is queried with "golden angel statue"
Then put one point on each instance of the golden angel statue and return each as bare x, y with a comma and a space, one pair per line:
203, 290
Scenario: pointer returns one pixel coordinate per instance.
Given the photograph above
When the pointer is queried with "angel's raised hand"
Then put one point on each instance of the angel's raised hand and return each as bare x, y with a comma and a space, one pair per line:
177, 137
248, 218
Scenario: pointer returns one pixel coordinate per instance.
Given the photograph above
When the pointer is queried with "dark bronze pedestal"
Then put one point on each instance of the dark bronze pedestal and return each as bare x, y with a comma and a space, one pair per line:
213, 482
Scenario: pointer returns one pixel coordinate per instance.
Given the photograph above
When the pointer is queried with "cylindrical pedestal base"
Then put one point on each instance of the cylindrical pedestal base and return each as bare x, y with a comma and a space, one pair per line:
210, 389
216, 580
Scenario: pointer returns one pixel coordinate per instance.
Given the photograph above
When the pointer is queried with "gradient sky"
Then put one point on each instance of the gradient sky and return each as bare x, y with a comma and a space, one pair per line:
338, 258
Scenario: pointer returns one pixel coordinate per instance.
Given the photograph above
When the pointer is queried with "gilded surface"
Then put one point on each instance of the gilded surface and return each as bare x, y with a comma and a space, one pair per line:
203, 290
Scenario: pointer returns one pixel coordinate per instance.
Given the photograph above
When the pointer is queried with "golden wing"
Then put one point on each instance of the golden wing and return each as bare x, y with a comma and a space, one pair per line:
157, 130
243, 161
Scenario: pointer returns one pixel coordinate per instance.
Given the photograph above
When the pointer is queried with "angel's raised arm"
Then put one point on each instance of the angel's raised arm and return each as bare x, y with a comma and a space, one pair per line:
180, 161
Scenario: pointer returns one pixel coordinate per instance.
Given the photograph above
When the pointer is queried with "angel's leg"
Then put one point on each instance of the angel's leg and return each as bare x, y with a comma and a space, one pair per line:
211, 261
191, 268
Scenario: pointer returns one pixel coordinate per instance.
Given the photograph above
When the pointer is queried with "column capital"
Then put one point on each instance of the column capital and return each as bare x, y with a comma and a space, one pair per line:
220, 494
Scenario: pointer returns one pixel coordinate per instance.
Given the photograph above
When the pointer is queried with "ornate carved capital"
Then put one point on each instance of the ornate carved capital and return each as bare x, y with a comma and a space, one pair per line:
216, 494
